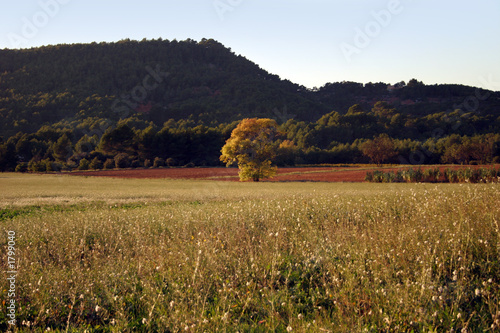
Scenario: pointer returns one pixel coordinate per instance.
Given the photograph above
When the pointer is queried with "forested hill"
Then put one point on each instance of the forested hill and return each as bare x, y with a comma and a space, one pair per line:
168, 79
203, 81
159, 102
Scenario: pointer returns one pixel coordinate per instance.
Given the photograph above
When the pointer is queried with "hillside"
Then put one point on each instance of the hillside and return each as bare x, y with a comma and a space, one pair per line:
205, 80
202, 80
175, 102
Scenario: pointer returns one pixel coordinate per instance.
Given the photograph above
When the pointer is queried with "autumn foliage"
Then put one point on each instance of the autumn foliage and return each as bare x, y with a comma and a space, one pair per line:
380, 149
252, 146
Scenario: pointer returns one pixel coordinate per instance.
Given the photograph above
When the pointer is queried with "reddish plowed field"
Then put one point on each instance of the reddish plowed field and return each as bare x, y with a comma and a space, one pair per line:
323, 174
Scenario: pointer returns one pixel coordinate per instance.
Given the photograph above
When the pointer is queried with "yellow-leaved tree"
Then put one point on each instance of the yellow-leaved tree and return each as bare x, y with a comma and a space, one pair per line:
253, 147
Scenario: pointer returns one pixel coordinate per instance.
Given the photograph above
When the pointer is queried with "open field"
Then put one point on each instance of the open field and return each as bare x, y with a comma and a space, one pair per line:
355, 173
165, 255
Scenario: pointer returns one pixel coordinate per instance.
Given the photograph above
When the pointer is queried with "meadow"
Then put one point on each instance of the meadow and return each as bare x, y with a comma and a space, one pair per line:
157, 255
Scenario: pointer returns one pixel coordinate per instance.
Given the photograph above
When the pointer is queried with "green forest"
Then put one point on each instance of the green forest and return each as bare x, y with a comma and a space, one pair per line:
155, 103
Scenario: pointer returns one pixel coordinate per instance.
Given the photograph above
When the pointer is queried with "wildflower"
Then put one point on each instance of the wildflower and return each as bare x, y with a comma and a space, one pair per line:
144, 321
289, 328
97, 308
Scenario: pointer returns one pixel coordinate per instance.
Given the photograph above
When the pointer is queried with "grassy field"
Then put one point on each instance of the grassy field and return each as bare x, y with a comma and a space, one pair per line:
153, 255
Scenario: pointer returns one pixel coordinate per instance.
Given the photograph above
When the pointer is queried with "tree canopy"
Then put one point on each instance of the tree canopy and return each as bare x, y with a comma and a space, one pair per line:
252, 146
380, 149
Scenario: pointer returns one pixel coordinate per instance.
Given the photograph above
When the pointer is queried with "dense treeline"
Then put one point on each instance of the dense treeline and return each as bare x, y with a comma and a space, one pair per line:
156, 103
97, 143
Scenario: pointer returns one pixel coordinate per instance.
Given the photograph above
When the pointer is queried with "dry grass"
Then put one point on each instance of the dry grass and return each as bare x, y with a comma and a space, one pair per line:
108, 255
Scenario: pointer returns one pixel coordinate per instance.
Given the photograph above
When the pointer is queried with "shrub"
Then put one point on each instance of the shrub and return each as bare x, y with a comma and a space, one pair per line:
399, 177
56, 166
21, 167
369, 177
36, 166
136, 164
170, 161
451, 176
95, 164
378, 176
109, 164
431, 175
147, 163
71, 164
158, 162
122, 161
48, 165
84, 164
469, 175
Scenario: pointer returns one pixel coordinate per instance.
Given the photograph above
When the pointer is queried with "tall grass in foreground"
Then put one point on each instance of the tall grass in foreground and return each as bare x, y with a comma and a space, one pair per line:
420, 258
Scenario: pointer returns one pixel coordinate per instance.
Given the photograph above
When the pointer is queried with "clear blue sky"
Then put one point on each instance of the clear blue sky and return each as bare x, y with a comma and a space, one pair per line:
310, 42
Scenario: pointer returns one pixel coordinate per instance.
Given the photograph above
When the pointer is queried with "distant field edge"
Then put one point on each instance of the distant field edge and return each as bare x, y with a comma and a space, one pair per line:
311, 173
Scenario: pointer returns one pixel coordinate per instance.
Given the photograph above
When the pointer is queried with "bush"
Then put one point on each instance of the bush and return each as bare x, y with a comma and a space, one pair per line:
431, 175
451, 176
369, 177
170, 162
122, 161
56, 166
84, 164
378, 176
95, 164
399, 177
109, 164
36, 166
468, 175
147, 163
21, 167
136, 164
48, 165
158, 162
71, 164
